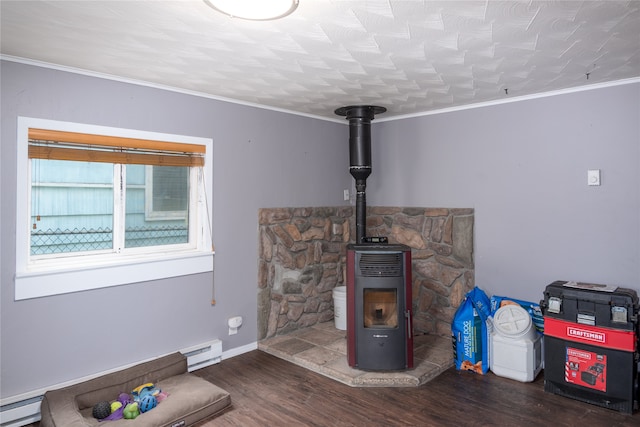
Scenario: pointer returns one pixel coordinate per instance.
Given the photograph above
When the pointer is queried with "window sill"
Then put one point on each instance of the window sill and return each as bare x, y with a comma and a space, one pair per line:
35, 284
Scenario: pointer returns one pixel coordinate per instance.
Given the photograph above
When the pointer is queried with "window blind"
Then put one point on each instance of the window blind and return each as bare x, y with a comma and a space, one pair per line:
62, 145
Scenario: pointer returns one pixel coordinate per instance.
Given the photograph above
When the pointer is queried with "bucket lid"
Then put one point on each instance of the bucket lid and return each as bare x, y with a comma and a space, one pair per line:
512, 321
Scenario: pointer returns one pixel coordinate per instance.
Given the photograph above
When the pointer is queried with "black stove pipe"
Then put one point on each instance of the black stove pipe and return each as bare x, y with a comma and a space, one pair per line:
360, 117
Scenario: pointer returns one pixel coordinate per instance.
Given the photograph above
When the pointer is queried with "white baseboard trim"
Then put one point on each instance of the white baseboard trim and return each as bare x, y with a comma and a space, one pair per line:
237, 351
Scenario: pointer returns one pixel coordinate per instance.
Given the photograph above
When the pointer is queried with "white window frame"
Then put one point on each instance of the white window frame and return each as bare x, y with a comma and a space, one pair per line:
81, 273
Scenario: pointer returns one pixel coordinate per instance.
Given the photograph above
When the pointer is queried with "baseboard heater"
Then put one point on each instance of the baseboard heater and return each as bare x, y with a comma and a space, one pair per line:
24, 409
203, 355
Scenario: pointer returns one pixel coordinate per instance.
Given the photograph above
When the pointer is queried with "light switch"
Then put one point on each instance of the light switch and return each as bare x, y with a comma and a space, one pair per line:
593, 177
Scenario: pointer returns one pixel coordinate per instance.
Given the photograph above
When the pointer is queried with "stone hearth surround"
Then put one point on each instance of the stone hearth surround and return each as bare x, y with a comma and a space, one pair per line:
322, 349
302, 255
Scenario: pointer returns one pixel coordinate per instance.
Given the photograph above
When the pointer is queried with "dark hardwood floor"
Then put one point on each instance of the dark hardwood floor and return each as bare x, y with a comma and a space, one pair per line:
267, 391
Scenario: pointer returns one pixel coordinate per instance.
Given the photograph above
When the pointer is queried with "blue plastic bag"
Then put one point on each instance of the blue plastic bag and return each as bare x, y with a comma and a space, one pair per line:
471, 332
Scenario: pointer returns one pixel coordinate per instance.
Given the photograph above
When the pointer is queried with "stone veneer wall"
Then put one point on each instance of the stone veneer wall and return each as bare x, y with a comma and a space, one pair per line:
302, 255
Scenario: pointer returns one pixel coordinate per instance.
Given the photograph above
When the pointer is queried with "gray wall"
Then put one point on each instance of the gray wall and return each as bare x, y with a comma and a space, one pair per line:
523, 167
261, 159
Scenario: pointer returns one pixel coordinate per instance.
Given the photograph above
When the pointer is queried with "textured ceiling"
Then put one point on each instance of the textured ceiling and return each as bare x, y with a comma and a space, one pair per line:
409, 56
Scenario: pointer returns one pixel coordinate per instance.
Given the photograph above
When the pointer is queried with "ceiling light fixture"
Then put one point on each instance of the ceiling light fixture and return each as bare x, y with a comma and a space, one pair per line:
254, 10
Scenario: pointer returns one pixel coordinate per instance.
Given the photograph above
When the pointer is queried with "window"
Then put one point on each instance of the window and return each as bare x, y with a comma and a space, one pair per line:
166, 191
104, 206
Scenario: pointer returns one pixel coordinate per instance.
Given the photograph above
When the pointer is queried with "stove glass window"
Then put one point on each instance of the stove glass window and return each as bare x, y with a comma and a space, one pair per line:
380, 308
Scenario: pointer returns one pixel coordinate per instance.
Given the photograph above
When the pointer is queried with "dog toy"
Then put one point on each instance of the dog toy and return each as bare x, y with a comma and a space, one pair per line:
101, 410
123, 400
147, 403
131, 411
145, 389
115, 406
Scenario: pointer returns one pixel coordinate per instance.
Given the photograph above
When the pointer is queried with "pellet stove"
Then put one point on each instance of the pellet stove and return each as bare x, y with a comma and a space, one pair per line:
379, 335
379, 326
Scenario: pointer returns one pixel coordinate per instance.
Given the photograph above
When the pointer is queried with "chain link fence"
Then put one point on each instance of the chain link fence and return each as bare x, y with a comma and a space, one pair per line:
82, 240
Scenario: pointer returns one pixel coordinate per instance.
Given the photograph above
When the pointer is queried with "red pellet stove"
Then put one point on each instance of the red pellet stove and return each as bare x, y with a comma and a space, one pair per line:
379, 329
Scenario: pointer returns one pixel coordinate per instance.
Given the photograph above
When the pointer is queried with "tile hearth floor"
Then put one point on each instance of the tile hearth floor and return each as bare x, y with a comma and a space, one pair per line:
323, 349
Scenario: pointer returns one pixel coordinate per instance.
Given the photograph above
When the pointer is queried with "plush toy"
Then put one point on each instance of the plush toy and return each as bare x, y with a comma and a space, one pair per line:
162, 396
131, 411
145, 389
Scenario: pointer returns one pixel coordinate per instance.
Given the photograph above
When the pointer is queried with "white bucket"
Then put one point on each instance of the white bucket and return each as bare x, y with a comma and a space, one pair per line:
516, 347
340, 307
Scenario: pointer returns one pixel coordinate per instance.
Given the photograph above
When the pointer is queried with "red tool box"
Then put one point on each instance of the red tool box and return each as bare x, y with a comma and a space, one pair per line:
591, 335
